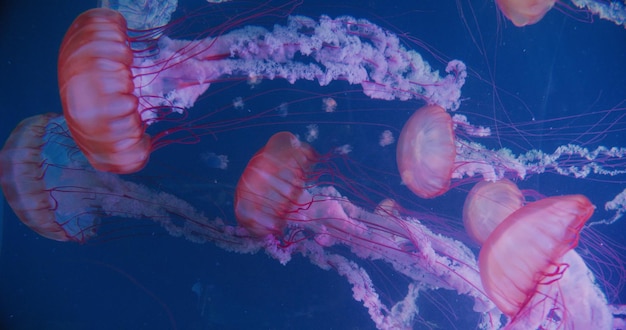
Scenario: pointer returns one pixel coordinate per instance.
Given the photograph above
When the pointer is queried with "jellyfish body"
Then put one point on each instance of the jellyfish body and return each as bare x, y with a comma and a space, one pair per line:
28, 180
426, 152
525, 12
272, 185
487, 205
526, 249
96, 88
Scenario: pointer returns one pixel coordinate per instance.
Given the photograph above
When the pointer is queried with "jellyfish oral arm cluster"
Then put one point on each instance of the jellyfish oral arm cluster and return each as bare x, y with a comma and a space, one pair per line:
429, 260
613, 11
343, 48
473, 158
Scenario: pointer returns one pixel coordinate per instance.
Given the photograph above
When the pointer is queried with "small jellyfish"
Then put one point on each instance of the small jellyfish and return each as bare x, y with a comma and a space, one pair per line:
329, 104
214, 160
254, 80
312, 133
238, 103
386, 138
344, 149
283, 109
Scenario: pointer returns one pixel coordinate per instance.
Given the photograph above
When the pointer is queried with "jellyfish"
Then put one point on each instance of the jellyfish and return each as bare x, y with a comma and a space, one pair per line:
53, 190
426, 152
96, 87
528, 12
548, 229
24, 183
527, 263
283, 162
525, 12
487, 205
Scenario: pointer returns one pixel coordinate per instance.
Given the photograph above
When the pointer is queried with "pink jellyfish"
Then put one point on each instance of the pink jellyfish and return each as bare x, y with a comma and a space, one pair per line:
525, 12
96, 87
487, 205
527, 264
426, 152
281, 164
23, 180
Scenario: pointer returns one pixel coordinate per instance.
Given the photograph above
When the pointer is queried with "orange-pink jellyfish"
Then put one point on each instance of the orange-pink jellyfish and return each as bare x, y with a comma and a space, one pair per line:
280, 166
96, 87
22, 180
526, 249
525, 12
487, 205
426, 152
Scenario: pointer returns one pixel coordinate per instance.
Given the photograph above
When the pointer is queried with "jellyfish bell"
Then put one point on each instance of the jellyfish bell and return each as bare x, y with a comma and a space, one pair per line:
96, 87
525, 12
487, 205
524, 252
28, 183
54, 190
281, 164
426, 152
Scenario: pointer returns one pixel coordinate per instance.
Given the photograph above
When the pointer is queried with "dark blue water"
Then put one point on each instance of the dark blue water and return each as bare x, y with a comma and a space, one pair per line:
564, 66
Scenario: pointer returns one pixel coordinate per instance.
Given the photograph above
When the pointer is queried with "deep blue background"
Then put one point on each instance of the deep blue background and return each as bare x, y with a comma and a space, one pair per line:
559, 67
